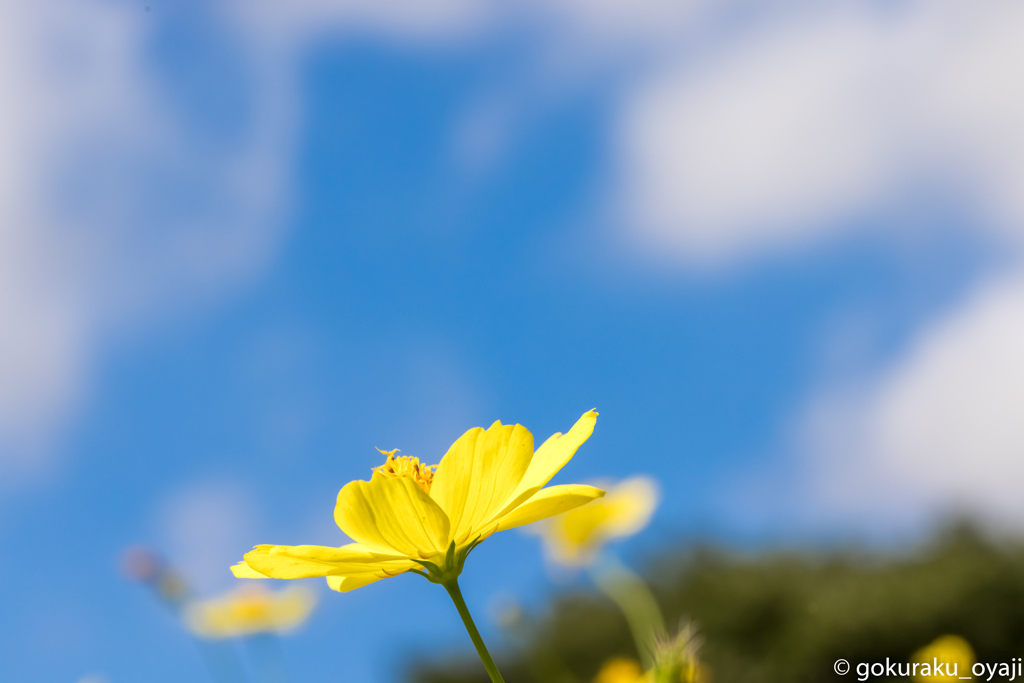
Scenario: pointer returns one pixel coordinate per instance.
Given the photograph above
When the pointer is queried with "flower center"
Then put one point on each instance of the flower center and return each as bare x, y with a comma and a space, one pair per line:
251, 605
407, 466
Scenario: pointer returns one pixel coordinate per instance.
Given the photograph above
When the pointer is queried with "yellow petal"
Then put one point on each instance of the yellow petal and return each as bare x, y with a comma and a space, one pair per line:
392, 516
479, 473
549, 502
575, 537
344, 584
304, 561
241, 570
631, 504
558, 450
552, 456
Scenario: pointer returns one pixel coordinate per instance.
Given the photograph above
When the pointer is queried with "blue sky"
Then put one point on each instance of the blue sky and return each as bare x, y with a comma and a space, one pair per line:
259, 245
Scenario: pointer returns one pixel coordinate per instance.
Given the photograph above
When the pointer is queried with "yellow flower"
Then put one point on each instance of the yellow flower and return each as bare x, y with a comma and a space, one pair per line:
621, 670
944, 659
248, 610
426, 519
575, 537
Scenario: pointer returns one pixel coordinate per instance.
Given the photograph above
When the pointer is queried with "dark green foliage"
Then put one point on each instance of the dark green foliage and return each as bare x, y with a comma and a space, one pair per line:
786, 617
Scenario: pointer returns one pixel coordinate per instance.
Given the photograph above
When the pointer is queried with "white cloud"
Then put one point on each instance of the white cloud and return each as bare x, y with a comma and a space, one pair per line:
597, 28
604, 24
112, 209
779, 135
201, 526
295, 23
439, 403
939, 431
115, 209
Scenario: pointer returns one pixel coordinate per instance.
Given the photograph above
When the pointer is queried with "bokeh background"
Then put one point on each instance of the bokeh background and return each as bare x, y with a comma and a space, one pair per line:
776, 244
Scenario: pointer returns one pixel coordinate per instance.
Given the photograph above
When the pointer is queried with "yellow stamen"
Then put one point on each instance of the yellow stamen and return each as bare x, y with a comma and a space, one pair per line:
407, 466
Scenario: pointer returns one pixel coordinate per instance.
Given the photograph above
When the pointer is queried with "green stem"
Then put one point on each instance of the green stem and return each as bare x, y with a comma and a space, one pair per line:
638, 605
452, 587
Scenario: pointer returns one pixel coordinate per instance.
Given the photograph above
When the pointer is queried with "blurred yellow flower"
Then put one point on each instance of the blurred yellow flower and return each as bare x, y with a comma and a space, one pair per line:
575, 537
672, 670
248, 610
621, 670
945, 659
426, 519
